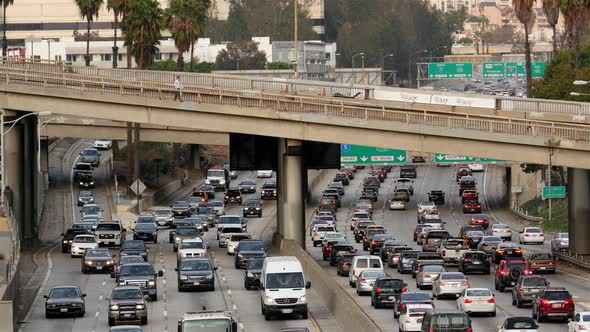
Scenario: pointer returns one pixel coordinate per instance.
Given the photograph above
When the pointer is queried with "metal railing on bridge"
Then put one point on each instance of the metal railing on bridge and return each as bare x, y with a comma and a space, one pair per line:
357, 111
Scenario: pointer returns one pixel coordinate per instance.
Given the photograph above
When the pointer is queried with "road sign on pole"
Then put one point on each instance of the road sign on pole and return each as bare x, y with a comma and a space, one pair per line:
364, 155
553, 192
537, 69
447, 158
494, 69
490, 161
450, 70
138, 187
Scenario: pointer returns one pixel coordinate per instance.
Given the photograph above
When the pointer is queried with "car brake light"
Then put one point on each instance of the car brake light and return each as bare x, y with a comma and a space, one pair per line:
527, 235
491, 301
478, 205
363, 280
469, 330
518, 251
396, 256
528, 272
465, 260
504, 273
374, 243
353, 272
582, 328
466, 283
431, 330
551, 263
501, 251
404, 290
378, 290
569, 302
403, 306
468, 301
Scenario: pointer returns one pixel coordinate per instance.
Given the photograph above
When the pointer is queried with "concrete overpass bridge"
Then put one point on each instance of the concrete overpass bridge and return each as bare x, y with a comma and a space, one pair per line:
529, 136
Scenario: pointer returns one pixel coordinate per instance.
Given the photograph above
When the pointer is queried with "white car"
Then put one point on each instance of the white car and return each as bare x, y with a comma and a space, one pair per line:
475, 167
477, 300
81, 243
192, 247
426, 206
531, 235
234, 239
164, 217
501, 230
397, 204
264, 173
319, 231
103, 144
218, 207
581, 322
332, 236
411, 315
449, 283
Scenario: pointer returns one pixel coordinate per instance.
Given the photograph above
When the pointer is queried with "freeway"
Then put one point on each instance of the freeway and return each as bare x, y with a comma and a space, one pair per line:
400, 224
163, 314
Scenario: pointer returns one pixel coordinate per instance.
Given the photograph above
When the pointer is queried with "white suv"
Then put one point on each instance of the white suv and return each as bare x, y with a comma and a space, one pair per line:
192, 247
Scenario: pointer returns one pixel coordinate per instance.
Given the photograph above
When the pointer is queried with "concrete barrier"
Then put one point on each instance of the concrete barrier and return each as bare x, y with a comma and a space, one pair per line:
345, 310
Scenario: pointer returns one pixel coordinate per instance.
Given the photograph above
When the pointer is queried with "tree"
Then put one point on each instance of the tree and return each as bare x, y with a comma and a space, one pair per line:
119, 8
456, 19
142, 30
5, 3
574, 14
526, 16
241, 55
89, 10
551, 10
559, 75
177, 18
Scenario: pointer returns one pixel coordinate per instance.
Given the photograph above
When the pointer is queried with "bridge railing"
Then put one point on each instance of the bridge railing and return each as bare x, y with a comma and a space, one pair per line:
350, 110
543, 106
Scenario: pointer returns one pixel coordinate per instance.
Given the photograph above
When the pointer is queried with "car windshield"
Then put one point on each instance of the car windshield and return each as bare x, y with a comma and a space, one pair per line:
492, 239
534, 282
269, 186
251, 245
98, 253
195, 265
452, 276
230, 220
145, 227
90, 153
450, 321
145, 219
91, 209
128, 293
586, 318
325, 229
131, 259
227, 229
84, 239
557, 296
239, 237
372, 274
182, 204
137, 270
204, 210
500, 226
438, 235
187, 231
533, 230
391, 283
517, 265
343, 248
216, 203
208, 325
247, 183
218, 173
543, 256
520, 324
192, 245
108, 227
478, 292
433, 268
85, 194
284, 280
416, 297
162, 212
474, 234
133, 245
255, 264
83, 167
563, 236
63, 293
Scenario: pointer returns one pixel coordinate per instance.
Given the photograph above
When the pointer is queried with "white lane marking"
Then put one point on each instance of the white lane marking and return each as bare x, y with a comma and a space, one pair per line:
223, 278
100, 298
229, 292
163, 270
165, 313
104, 283
96, 314
241, 326
164, 296
164, 281
235, 307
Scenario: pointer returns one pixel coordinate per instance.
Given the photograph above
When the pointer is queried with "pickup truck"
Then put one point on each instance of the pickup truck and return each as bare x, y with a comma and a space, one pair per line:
426, 258
542, 262
451, 249
405, 183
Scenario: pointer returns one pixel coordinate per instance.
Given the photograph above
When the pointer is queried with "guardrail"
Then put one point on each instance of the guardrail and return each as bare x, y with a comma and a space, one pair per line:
543, 106
329, 107
572, 258
525, 214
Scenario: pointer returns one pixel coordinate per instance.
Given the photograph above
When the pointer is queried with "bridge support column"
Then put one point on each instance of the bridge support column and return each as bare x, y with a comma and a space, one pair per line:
579, 210
292, 186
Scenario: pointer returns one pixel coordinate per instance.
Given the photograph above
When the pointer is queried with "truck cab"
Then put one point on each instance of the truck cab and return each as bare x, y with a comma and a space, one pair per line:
213, 321
218, 178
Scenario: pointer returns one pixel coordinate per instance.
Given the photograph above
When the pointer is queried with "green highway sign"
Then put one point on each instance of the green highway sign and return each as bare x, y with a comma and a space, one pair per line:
491, 161
553, 192
494, 70
450, 70
447, 158
513, 68
364, 155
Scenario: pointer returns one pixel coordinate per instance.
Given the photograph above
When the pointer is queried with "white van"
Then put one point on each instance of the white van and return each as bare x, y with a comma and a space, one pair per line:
363, 263
282, 287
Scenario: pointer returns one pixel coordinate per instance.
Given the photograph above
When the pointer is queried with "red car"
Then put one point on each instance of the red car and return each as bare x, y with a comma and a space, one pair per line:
327, 247
472, 207
469, 195
553, 302
509, 271
480, 220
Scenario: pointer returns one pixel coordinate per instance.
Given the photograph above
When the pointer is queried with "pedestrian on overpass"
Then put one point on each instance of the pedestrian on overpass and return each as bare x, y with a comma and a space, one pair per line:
178, 87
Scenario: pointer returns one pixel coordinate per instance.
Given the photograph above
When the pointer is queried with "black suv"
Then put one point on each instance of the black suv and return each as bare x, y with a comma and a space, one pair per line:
127, 303
407, 172
68, 237
474, 261
252, 207
268, 191
195, 273
142, 275
386, 290
247, 249
134, 247
253, 272
527, 288
233, 196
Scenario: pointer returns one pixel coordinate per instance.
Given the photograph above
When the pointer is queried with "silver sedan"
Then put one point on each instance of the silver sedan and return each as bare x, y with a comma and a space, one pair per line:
366, 280
560, 242
427, 274
449, 283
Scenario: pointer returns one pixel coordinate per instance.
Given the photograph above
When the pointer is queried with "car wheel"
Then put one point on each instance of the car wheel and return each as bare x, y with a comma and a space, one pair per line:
154, 297
111, 321
212, 288
267, 315
144, 320
84, 271
305, 315
47, 315
180, 289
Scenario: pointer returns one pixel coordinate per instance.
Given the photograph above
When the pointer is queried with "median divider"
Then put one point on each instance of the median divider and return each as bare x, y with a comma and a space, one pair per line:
347, 313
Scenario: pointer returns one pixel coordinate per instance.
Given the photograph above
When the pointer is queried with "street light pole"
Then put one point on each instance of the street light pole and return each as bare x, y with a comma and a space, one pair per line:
296, 39
410, 66
361, 54
363, 68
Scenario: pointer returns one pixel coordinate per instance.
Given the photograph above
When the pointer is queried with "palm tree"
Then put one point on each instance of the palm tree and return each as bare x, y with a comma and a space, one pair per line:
526, 16
142, 30
89, 10
551, 10
5, 3
119, 8
200, 13
574, 12
178, 20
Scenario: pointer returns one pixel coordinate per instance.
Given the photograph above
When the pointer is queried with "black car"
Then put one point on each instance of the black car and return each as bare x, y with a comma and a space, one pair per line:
253, 272
97, 260
232, 196
247, 249
474, 261
377, 242
338, 250
413, 298
342, 177
407, 172
505, 250
252, 208
65, 300
199, 221
90, 156
195, 273
344, 263
386, 290
268, 190
85, 197
146, 232
208, 211
142, 275
86, 181
134, 247
247, 187
68, 237
181, 209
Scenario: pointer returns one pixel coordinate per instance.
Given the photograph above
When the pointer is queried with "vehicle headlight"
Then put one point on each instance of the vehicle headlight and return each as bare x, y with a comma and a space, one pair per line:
302, 299
151, 283
81, 183
70, 241
122, 283
183, 277
251, 188
222, 181
257, 209
210, 276
207, 181
177, 238
89, 262
114, 307
250, 275
240, 255
109, 263
140, 307
269, 300
76, 304
66, 241
52, 305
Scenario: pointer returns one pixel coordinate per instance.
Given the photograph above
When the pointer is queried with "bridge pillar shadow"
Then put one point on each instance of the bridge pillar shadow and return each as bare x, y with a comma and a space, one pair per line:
579, 210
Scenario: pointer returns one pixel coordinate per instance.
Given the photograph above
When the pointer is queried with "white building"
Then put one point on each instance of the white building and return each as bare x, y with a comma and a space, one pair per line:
66, 49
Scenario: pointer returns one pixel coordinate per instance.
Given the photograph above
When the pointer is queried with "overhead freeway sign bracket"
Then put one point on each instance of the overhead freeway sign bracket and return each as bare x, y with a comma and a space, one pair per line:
364, 155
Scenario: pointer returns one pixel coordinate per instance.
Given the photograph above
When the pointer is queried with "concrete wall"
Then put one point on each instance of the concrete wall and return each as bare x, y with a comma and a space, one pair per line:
530, 185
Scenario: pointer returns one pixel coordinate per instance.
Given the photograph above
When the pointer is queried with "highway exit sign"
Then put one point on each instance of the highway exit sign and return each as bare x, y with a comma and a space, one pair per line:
450, 70
447, 158
493, 70
491, 161
364, 155
553, 192
513, 69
